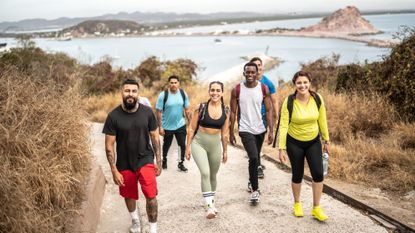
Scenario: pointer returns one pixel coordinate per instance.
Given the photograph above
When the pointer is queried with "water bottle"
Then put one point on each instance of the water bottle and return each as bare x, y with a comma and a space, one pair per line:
325, 163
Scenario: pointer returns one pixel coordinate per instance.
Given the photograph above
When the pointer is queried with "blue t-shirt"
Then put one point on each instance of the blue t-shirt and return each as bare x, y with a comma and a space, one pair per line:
272, 90
173, 117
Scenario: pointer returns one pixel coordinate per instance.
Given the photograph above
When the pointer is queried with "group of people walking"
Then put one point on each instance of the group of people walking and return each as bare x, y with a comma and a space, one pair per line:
253, 106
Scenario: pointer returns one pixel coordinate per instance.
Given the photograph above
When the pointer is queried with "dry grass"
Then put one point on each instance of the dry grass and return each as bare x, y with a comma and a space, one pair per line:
351, 114
98, 106
378, 162
371, 146
44, 149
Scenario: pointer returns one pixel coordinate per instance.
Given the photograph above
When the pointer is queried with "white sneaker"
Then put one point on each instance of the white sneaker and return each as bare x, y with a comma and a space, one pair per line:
135, 226
210, 213
254, 196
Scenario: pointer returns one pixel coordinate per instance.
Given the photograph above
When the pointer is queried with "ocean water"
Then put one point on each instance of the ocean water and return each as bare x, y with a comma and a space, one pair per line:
213, 57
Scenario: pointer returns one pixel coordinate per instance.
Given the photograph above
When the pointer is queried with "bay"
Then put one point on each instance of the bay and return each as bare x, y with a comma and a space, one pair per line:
213, 57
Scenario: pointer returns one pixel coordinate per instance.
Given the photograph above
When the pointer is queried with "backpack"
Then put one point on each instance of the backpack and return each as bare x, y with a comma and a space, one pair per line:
238, 91
166, 96
290, 106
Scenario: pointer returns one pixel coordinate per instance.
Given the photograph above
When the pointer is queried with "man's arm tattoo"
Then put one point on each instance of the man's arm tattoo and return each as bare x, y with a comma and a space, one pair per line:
110, 156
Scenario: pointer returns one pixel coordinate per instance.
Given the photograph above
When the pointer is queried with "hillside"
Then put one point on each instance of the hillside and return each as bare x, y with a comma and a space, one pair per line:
149, 18
102, 27
346, 21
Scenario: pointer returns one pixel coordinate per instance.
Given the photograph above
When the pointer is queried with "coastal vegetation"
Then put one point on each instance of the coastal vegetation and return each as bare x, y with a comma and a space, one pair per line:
47, 99
44, 141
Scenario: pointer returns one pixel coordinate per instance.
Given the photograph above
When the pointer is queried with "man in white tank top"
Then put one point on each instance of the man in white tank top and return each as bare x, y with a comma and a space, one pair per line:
246, 102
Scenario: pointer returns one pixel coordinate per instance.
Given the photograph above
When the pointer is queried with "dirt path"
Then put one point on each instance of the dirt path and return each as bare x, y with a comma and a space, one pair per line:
181, 210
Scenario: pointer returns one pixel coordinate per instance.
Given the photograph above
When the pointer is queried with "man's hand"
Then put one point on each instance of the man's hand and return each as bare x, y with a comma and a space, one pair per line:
118, 178
157, 168
161, 131
270, 137
232, 139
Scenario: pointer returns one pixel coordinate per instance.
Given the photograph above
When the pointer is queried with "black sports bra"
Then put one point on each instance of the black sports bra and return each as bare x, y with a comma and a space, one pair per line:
207, 122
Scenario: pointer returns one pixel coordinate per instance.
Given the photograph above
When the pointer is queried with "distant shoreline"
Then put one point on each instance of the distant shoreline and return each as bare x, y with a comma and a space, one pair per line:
368, 41
201, 23
163, 32
323, 35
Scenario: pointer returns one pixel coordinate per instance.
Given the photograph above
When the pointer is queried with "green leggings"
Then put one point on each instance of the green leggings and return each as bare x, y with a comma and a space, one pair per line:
206, 151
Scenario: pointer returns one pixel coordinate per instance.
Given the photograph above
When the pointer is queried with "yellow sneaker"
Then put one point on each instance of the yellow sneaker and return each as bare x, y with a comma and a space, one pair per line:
318, 213
298, 210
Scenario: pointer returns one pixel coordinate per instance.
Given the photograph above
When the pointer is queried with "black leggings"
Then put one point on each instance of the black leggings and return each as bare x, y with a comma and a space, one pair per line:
180, 135
312, 151
252, 144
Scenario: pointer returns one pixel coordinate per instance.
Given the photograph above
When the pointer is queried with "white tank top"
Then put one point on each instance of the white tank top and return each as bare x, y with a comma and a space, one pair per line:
250, 102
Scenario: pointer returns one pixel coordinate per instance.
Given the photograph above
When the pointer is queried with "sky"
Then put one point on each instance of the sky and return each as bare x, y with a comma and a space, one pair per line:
14, 10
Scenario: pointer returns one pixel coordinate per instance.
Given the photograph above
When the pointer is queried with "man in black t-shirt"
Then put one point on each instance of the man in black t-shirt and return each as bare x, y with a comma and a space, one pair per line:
131, 125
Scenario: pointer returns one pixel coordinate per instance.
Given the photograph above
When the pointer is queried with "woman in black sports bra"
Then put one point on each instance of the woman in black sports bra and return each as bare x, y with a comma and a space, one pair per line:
208, 128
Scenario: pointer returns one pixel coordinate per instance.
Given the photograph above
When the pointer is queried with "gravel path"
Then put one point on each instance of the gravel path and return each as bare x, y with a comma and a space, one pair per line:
181, 210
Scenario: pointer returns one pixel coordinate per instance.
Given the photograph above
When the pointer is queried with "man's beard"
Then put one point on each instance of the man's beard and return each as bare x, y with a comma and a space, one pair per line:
129, 105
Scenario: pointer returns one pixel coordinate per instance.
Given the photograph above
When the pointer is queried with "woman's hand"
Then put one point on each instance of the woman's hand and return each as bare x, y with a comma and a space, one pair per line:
282, 156
326, 147
188, 152
225, 157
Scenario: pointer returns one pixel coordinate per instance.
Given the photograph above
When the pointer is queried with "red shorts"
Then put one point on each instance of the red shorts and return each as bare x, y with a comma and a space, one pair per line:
146, 175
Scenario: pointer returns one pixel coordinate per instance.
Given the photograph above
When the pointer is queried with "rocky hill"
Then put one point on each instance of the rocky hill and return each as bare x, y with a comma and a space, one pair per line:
344, 21
105, 27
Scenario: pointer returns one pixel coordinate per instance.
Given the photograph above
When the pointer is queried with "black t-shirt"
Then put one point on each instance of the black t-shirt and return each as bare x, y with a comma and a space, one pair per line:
132, 136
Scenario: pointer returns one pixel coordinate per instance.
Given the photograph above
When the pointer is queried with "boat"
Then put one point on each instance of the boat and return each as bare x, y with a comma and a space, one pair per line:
4, 48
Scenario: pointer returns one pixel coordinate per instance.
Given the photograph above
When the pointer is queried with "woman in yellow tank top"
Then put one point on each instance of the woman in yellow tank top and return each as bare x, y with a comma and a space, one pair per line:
300, 138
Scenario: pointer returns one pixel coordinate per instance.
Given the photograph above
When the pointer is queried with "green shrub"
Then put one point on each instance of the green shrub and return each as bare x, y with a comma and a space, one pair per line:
393, 77
323, 71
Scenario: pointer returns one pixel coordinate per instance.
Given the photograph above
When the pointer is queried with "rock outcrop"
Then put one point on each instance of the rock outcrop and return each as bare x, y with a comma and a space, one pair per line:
347, 21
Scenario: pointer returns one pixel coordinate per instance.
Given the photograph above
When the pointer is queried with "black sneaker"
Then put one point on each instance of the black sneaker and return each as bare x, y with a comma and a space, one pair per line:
164, 164
260, 173
181, 167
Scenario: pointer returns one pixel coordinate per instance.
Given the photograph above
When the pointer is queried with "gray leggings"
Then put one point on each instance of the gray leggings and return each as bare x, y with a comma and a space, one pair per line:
206, 151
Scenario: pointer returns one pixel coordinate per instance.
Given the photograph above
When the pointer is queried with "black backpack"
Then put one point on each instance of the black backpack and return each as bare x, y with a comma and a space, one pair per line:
290, 104
166, 96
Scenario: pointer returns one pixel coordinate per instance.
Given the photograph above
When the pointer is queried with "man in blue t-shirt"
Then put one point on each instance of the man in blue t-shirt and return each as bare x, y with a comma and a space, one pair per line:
273, 92
170, 106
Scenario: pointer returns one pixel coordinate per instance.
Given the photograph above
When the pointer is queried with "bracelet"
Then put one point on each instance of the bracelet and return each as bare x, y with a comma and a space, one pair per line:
327, 142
